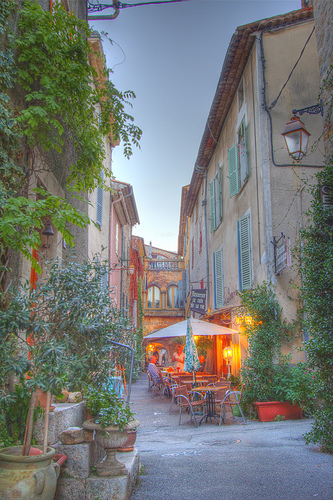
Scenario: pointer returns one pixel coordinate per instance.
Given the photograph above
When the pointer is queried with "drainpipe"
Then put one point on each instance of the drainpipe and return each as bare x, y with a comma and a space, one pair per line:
110, 230
203, 172
300, 226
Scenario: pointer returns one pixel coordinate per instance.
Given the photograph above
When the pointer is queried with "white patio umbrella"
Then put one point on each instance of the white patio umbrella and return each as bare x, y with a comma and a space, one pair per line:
199, 327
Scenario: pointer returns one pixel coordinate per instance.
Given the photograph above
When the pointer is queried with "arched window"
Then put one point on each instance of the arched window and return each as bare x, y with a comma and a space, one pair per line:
153, 298
173, 297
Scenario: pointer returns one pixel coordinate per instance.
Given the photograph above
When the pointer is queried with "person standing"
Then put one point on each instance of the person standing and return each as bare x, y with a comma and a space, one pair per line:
178, 358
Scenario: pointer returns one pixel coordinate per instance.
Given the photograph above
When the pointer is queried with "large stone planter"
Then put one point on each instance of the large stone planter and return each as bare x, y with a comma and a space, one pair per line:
110, 438
269, 410
27, 477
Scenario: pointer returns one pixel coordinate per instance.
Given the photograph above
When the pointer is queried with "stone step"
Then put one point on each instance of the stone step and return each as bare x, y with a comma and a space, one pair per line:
64, 415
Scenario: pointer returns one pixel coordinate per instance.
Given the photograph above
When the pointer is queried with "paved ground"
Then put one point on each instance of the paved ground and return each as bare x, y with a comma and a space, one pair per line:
257, 461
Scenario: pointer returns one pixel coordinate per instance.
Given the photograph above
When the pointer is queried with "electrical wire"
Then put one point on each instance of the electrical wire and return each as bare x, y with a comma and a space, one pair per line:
119, 5
291, 72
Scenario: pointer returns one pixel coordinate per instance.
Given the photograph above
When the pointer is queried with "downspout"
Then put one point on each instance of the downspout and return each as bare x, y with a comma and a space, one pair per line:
300, 226
110, 231
203, 172
264, 104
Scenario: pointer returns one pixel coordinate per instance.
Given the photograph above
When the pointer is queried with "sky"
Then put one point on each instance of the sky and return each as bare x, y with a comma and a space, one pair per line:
171, 57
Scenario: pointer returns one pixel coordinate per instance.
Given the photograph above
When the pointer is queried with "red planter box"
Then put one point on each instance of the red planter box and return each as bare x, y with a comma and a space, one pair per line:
269, 410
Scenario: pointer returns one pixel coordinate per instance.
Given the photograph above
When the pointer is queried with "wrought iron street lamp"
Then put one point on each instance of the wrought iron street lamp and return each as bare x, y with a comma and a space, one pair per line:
295, 134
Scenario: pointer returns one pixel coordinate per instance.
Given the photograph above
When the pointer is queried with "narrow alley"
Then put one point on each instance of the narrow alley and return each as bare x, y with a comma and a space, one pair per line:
257, 461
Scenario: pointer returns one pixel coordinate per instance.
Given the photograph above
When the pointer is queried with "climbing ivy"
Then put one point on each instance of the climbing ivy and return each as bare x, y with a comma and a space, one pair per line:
317, 273
48, 121
265, 371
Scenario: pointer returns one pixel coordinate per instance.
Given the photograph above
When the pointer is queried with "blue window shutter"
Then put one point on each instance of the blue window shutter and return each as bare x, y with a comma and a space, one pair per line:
233, 171
218, 278
245, 253
212, 205
99, 209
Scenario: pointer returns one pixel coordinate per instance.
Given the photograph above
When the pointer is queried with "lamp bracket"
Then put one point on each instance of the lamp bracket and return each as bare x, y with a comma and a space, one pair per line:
311, 110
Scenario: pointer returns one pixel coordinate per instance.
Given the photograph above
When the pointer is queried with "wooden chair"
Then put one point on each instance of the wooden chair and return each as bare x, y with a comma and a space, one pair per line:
232, 399
183, 401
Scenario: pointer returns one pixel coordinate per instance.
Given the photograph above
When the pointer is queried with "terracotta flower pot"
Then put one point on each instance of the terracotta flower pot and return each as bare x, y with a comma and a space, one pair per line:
129, 445
41, 399
269, 410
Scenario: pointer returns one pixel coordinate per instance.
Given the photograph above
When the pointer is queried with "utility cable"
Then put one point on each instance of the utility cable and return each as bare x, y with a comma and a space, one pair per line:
283, 87
93, 7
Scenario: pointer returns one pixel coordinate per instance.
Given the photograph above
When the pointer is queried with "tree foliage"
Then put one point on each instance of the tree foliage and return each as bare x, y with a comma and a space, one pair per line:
49, 93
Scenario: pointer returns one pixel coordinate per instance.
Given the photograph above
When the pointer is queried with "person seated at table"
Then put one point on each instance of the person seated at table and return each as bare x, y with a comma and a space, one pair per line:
156, 375
178, 358
202, 361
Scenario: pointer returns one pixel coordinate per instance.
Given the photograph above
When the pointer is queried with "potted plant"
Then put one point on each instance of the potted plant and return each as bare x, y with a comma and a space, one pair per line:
273, 386
111, 421
56, 336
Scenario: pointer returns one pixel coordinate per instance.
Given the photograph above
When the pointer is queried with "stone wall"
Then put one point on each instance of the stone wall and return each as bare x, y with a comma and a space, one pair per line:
323, 14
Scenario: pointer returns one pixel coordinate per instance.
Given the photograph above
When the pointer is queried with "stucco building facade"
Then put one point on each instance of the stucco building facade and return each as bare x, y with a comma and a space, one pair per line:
248, 199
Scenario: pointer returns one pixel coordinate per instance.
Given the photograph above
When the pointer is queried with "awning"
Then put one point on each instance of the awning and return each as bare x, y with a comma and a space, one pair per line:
199, 327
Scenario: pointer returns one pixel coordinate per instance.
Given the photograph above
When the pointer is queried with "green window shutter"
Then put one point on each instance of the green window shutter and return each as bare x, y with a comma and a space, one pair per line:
212, 205
242, 154
233, 171
245, 253
99, 209
219, 285
219, 194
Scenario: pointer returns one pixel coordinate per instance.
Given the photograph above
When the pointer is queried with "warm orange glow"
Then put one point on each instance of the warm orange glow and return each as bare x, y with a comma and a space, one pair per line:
228, 352
244, 319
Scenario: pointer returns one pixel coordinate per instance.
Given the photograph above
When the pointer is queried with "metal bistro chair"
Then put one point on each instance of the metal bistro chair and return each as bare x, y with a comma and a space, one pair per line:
232, 399
183, 400
150, 382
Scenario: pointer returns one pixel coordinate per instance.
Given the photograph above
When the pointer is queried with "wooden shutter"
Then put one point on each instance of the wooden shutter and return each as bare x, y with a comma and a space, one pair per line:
245, 253
218, 278
242, 155
233, 171
219, 193
99, 210
212, 205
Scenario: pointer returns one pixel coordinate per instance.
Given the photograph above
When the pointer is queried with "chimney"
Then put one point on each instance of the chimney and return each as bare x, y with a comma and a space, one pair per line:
307, 4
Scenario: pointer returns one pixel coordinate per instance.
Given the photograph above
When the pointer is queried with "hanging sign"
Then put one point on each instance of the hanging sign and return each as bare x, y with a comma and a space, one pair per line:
198, 301
282, 255
326, 196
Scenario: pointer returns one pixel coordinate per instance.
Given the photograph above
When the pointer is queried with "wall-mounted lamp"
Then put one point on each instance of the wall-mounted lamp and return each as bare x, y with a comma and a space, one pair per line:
295, 134
48, 231
228, 354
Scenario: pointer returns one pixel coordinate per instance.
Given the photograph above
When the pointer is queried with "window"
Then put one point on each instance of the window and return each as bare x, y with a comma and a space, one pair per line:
215, 199
237, 162
244, 253
153, 298
99, 208
172, 297
218, 279
192, 255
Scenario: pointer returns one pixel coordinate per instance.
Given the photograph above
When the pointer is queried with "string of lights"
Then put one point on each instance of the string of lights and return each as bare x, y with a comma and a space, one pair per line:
95, 6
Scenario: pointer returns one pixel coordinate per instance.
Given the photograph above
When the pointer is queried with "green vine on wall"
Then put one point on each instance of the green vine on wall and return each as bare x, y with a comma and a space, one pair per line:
48, 121
317, 289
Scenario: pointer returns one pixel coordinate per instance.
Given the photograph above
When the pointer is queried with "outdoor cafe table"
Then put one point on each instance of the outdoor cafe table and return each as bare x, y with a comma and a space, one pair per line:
210, 401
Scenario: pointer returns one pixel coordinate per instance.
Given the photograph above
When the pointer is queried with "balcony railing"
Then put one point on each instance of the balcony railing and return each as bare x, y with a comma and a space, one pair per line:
165, 265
